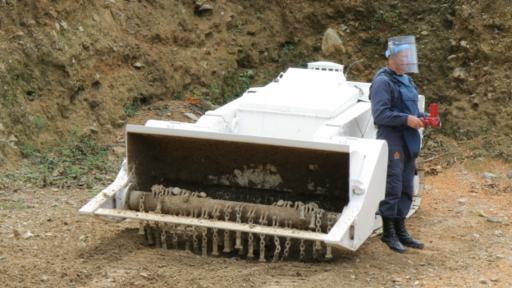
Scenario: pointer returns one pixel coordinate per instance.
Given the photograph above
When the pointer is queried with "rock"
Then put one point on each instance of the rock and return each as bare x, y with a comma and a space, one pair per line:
424, 33
16, 233
203, 9
44, 278
27, 235
57, 172
64, 25
495, 279
331, 43
482, 281
480, 213
145, 275
462, 201
451, 57
191, 116
2, 128
434, 170
108, 3
459, 73
30, 22
138, 65
119, 123
509, 174
494, 220
82, 241
93, 130
489, 175
52, 13
118, 150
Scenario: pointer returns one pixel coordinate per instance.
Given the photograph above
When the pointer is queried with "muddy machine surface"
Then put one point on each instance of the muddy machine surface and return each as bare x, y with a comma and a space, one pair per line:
288, 170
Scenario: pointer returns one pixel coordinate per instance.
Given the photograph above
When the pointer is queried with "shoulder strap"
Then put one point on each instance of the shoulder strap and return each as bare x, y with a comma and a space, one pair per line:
412, 83
393, 80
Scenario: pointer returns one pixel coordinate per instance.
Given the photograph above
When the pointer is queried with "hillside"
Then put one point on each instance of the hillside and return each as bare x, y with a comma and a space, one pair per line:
88, 66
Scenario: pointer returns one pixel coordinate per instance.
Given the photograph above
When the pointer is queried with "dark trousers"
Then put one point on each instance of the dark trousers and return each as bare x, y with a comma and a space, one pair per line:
400, 178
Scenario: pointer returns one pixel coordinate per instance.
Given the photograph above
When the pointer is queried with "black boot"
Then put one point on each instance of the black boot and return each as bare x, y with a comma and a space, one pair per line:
404, 236
389, 236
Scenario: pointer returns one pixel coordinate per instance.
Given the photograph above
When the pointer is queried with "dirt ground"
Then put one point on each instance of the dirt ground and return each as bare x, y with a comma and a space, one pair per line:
465, 220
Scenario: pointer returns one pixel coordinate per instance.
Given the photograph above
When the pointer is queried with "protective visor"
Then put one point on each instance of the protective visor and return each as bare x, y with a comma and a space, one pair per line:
403, 51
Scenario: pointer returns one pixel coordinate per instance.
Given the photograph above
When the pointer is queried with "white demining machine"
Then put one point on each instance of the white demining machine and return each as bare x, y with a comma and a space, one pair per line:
291, 169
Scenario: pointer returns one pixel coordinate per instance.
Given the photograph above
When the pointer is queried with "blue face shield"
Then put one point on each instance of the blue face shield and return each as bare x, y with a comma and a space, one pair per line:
403, 51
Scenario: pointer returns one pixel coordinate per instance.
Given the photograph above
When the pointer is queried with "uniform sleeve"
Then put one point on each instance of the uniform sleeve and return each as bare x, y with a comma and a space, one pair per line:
381, 104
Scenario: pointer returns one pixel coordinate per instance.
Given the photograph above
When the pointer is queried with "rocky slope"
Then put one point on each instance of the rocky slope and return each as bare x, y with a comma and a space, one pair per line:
90, 65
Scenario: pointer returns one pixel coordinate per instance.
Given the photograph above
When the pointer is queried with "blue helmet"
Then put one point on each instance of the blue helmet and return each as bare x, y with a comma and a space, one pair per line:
395, 49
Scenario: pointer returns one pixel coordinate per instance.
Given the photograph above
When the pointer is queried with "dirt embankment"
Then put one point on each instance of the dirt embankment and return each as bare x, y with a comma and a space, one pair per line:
90, 65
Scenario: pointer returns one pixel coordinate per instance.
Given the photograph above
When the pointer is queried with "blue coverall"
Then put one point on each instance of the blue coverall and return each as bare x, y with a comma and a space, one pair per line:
393, 98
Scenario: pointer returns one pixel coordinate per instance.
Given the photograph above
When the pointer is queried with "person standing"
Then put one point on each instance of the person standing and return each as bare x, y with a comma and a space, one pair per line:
394, 101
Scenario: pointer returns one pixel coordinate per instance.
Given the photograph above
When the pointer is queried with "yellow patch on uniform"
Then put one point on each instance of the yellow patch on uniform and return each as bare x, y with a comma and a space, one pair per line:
396, 155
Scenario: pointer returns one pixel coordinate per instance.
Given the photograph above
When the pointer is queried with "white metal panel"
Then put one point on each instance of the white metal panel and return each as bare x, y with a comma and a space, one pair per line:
130, 128
359, 214
105, 197
303, 92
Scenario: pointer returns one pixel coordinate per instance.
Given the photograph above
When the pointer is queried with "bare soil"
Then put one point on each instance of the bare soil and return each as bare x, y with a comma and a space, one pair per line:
464, 219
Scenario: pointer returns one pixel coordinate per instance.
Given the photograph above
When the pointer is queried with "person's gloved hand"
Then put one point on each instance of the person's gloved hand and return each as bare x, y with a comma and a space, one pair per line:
414, 122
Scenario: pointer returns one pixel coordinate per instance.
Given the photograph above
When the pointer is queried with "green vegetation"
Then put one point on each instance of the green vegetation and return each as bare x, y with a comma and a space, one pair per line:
290, 55
10, 204
39, 123
233, 85
179, 96
80, 160
131, 108
287, 52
